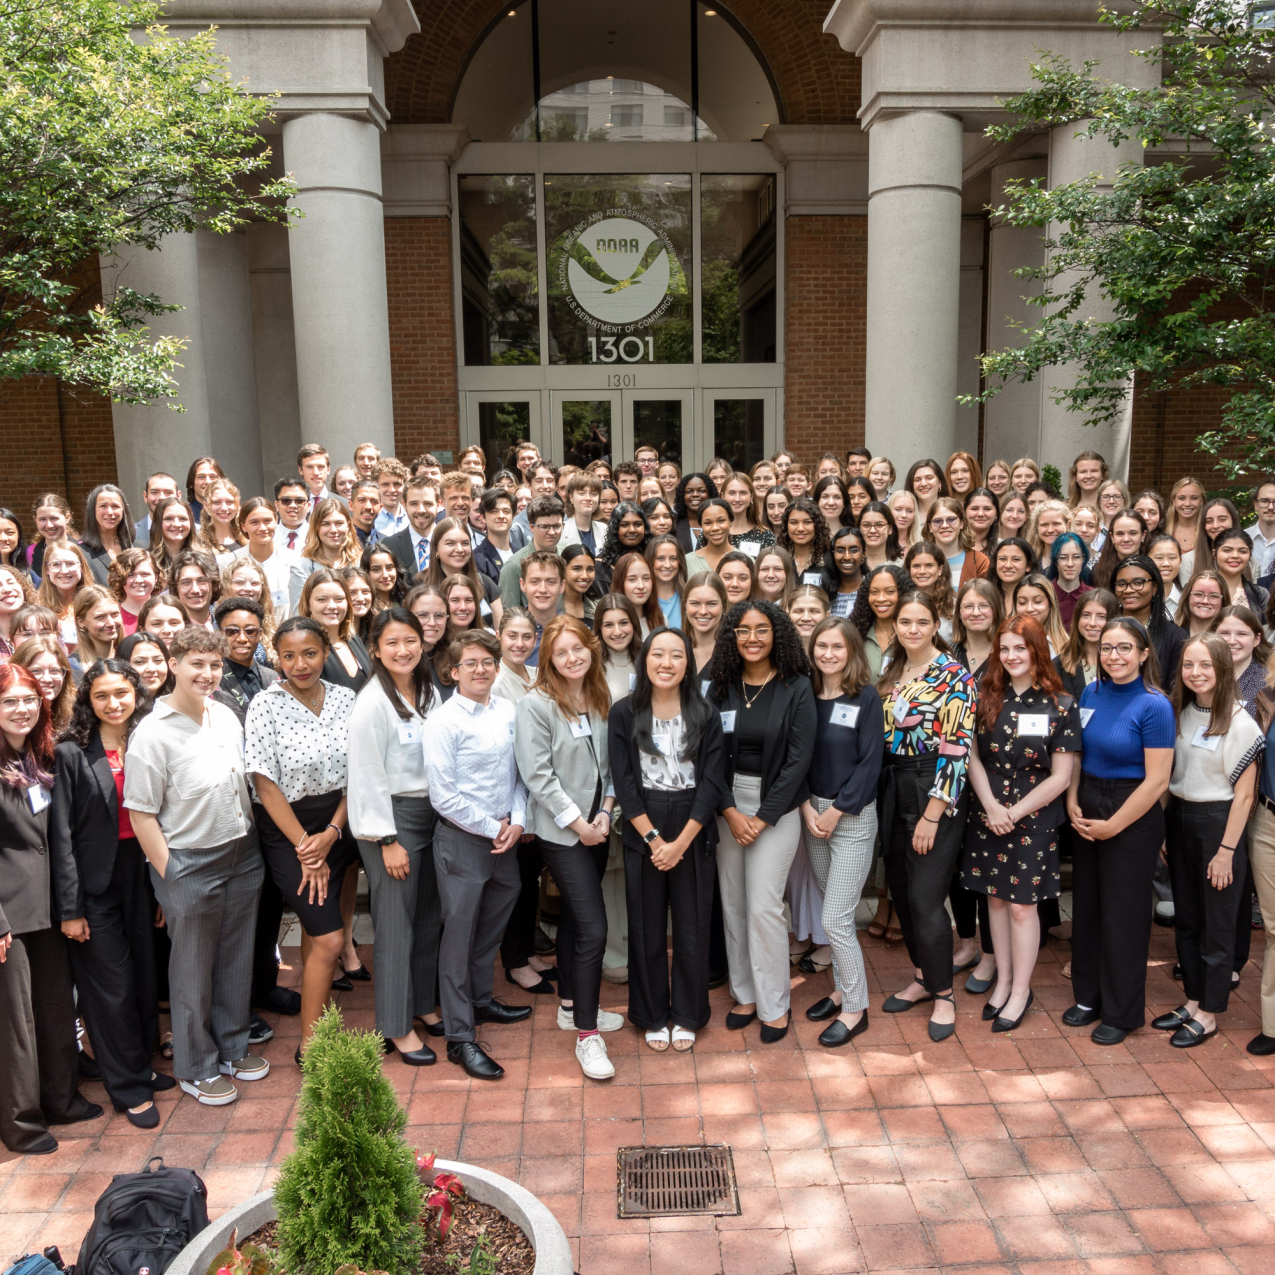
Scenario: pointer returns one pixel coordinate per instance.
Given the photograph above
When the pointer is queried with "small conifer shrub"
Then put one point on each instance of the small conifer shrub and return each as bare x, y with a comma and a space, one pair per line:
350, 1192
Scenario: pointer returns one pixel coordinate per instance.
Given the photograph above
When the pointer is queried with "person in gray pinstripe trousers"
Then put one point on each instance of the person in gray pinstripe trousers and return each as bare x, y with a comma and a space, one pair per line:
841, 813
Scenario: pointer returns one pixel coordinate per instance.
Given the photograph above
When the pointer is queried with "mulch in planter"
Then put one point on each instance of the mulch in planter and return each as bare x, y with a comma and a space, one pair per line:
513, 1251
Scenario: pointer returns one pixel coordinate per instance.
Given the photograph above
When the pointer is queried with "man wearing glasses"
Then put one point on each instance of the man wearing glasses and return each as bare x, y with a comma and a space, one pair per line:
546, 517
1262, 532
481, 805
292, 504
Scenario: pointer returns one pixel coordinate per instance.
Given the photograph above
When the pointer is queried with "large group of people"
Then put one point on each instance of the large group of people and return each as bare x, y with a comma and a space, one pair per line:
686, 719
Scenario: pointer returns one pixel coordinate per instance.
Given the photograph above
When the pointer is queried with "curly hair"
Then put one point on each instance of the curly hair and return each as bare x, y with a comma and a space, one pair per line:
861, 614
84, 723
787, 652
679, 493
612, 549
823, 537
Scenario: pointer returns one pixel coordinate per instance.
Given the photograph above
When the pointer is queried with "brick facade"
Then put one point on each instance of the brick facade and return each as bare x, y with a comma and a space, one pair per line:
825, 290
418, 268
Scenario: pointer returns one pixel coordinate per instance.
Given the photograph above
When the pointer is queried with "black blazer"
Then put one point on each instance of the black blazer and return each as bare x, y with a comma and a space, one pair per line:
24, 864
400, 545
84, 823
334, 671
626, 773
786, 755
487, 560
1073, 683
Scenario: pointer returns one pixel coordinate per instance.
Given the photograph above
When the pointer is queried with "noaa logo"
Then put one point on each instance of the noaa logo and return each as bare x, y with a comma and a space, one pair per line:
617, 270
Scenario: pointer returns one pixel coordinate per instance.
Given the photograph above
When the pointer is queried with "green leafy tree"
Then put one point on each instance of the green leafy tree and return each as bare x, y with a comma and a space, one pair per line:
1182, 249
350, 1193
109, 141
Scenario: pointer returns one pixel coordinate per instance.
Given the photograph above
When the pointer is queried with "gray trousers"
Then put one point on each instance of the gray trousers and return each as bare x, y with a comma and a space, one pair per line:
210, 901
478, 890
840, 865
406, 919
752, 880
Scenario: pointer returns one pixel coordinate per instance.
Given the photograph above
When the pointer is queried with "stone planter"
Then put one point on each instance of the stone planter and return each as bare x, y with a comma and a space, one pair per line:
553, 1253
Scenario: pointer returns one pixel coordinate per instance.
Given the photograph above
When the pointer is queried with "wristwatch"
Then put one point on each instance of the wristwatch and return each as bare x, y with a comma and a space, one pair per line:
651, 836
387, 841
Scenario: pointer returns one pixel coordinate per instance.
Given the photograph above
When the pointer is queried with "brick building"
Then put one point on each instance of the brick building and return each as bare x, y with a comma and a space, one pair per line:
721, 228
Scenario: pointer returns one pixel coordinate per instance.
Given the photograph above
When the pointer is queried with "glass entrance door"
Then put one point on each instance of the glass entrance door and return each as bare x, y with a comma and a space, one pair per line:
663, 419
586, 426
498, 422
611, 425
739, 426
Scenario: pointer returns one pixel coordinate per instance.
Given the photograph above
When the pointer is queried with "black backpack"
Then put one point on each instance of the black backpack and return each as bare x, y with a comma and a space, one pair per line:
143, 1220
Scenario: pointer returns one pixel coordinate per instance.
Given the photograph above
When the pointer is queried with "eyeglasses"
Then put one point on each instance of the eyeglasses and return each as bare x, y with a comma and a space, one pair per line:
847, 551
1213, 599
293, 500
945, 522
486, 665
1133, 586
549, 527
197, 581
1113, 497
1118, 648
1071, 557
234, 631
1267, 501
745, 634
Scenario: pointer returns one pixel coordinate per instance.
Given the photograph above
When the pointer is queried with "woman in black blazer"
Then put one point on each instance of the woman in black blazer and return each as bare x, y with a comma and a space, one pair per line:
667, 751
103, 889
38, 1071
760, 683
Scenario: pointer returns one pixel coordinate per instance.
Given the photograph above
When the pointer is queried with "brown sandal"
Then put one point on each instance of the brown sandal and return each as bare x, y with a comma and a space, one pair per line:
876, 929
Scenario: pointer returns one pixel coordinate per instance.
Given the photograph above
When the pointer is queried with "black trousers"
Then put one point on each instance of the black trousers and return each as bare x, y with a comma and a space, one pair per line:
685, 891
1204, 917
1244, 918
39, 1063
919, 883
265, 942
115, 977
582, 926
969, 911
519, 944
1111, 906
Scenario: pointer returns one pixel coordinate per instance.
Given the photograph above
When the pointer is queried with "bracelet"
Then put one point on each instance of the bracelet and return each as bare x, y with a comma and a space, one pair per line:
608, 815
334, 829
929, 820
1228, 849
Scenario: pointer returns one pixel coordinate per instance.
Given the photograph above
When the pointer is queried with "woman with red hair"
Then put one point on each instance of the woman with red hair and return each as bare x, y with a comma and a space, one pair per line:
1027, 732
38, 1063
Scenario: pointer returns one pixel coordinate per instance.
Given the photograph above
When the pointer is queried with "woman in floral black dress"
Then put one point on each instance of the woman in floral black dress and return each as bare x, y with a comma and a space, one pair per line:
1027, 731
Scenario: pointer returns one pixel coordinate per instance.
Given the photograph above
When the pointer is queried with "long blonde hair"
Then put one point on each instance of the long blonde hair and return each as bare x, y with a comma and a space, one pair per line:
206, 531
350, 552
48, 594
88, 649
28, 650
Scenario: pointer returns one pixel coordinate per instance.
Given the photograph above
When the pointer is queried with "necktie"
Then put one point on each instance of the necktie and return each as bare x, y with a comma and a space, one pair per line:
292, 540
422, 554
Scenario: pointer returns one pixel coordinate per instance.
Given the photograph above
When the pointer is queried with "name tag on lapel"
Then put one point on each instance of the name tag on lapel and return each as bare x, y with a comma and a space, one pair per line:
580, 728
728, 721
845, 715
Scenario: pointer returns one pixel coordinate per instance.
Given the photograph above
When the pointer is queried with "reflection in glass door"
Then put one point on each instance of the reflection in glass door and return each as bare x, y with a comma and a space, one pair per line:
740, 425
585, 424
499, 422
662, 419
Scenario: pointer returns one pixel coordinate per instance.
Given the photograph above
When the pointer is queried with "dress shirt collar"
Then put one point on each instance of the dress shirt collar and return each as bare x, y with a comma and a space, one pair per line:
472, 706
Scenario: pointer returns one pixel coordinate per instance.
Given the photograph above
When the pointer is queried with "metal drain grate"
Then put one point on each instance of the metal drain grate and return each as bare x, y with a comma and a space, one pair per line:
668, 1181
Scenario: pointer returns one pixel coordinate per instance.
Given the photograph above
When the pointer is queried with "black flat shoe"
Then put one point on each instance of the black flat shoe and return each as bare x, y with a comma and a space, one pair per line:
430, 1029
542, 988
422, 1057
499, 1012
90, 1111
941, 1031
298, 1057
969, 965
737, 1022
770, 1035
46, 1144
1106, 1035
820, 1010
897, 1005
717, 980
1009, 1024
1261, 1046
1077, 1017
837, 1033
342, 984
282, 1000
474, 1059
161, 1082
89, 1070
1190, 1034
1171, 1021
979, 986
148, 1119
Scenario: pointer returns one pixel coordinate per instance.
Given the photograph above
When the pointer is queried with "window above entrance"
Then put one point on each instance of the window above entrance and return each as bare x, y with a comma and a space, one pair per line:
612, 70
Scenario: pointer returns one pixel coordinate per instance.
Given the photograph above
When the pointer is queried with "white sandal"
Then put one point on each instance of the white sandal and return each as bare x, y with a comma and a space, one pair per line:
683, 1040
658, 1041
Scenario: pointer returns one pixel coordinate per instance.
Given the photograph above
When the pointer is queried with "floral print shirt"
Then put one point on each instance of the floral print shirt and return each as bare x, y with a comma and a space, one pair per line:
1017, 753
934, 713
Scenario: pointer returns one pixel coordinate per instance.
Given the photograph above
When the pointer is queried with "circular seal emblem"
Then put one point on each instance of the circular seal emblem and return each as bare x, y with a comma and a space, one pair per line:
617, 267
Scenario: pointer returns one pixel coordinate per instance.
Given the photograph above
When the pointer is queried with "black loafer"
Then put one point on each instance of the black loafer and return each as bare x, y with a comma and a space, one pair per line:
770, 1035
1104, 1034
499, 1012
161, 1082
542, 988
826, 1008
282, 1000
342, 984
148, 1119
90, 1111
737, 1022
1261, 1046
474, 1059
1077, 1017
89, 1070
1009, 1024
1190, 1034
1171, 1021
46, 1144
422, 1057
430, 1029
837, 1033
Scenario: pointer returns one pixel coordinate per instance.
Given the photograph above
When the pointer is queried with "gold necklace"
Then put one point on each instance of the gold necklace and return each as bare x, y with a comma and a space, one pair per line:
313, 707
748, 703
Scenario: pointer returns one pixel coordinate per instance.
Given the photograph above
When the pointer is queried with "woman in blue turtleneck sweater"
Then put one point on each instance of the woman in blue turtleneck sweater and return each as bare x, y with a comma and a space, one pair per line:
1128, 733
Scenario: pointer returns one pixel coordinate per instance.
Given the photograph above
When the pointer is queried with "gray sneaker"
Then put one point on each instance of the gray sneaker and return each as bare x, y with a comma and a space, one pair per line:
216, 1091
249, 1067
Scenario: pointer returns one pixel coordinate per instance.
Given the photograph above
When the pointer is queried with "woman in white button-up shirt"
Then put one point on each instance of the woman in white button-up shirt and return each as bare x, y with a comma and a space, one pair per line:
392, 818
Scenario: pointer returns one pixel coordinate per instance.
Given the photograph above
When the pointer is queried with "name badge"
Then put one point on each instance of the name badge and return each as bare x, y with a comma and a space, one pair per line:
728, 721
750, 547
1085, 715
811, 577
409, 733
845, 715
632, 680
581, 728
39, 797
483, 608
1033, 724
279, 597
1209, 742
901, 709
703, 687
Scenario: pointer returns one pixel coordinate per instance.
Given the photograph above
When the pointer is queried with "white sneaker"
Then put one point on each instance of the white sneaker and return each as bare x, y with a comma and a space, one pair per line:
591, 1054
216, 1091
607, 1021
249, 1067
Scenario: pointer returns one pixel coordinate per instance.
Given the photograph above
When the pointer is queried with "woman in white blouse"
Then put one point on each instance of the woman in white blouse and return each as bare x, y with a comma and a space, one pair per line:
392, 818
295, 752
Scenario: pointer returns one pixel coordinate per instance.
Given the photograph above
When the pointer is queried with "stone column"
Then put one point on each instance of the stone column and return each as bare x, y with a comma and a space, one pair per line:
1063, 434
1011, 420
914, 276
338, 284
275, 347
970, 343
